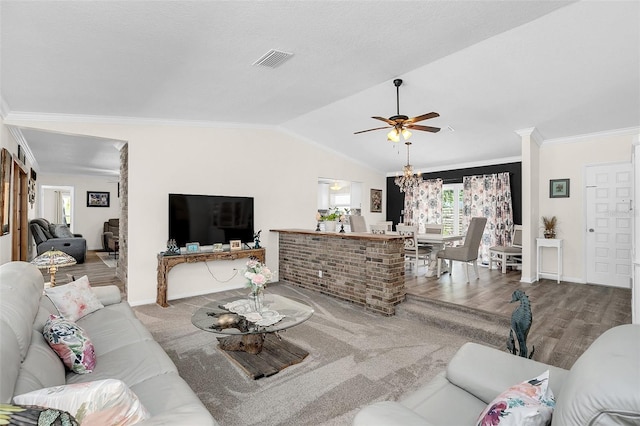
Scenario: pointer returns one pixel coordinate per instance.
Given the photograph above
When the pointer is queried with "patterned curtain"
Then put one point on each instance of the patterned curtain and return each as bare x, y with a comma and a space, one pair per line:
489, 196
424, 204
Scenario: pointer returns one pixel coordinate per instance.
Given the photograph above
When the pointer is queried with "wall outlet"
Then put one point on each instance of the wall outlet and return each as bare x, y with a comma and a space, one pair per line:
319, 274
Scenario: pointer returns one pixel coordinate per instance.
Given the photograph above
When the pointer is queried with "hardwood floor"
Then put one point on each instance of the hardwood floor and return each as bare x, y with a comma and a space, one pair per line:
567, 317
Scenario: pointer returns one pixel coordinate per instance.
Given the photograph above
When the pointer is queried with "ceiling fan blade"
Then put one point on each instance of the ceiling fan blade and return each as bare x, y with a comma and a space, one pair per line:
424, 128
422, 117
386, 120
363, 131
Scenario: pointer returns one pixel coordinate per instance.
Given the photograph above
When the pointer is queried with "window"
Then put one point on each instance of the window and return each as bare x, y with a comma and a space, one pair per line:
452, 195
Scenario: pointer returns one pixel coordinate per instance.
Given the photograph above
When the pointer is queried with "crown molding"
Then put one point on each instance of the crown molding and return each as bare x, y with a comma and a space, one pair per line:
627, 131
19, 138
533, 133
18, 116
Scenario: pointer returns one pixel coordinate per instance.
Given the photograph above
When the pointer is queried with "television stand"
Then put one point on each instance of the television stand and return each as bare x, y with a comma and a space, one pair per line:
165, 263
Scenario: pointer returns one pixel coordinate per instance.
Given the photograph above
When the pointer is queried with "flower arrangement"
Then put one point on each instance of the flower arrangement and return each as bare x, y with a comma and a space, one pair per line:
332, 215
258, 275
549, 226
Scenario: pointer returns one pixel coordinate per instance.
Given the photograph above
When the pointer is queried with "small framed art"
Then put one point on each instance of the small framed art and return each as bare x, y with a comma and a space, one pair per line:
235, 245
376, 200
559, 188
97, 199
193, 247
217, 247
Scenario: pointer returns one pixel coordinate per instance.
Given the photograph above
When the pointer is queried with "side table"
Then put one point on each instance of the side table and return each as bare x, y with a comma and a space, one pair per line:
549, 242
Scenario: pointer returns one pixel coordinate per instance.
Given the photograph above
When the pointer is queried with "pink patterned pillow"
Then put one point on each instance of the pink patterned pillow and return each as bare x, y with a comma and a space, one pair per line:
71, 344
529, 403
100, 403
74, 300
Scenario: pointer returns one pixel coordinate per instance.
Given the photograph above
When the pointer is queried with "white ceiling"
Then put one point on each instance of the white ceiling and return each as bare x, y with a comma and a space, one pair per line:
488, 67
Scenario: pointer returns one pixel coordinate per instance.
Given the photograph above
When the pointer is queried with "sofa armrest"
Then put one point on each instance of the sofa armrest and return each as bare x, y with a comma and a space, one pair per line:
108, 294
486, 372
388, 413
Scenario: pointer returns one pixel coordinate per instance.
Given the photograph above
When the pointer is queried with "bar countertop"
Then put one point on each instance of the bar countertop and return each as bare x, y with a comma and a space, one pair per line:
350, 235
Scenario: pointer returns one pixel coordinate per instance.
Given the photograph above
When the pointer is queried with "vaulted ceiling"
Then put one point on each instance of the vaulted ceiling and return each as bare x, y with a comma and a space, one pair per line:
487, 67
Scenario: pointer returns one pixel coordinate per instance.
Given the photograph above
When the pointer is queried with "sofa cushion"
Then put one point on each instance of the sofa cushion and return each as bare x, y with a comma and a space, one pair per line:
60, 230
603, 385
74, 300
71, 343
101, 402
41, 368
529, 403
44, 226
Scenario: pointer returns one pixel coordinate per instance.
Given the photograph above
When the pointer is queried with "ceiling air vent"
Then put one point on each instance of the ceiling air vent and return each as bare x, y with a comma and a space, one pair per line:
273, 58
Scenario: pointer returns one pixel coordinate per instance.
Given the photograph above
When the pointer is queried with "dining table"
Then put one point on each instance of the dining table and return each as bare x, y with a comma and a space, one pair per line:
437, 242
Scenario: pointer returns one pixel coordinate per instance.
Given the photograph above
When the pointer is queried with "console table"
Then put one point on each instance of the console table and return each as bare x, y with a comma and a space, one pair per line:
549, 242
165, 263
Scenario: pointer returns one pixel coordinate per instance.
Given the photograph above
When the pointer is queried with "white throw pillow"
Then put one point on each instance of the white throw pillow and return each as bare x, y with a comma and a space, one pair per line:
529, 403
98, 403
74, 300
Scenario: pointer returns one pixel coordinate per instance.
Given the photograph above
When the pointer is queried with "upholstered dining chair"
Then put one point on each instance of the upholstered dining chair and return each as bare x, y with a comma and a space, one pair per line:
508, 255
432, 229
358, 224
468, 252
413, 252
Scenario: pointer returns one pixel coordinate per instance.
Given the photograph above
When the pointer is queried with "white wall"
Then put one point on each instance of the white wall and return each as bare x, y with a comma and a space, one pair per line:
279, 170
567, 159
87, 221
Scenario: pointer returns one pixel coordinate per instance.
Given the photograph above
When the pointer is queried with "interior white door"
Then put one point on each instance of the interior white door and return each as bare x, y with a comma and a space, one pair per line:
609, 190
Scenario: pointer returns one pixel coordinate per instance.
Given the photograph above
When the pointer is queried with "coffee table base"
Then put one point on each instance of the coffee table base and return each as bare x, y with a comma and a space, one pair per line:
250, 343
276, 355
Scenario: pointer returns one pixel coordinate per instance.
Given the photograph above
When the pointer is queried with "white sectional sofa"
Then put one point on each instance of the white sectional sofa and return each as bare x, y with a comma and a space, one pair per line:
124, 350
602, 388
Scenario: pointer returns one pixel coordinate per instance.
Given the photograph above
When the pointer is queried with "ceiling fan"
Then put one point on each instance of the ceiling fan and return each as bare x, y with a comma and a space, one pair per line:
401, 123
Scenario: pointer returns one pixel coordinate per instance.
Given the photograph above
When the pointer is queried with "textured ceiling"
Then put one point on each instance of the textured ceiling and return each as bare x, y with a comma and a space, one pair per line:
488, 67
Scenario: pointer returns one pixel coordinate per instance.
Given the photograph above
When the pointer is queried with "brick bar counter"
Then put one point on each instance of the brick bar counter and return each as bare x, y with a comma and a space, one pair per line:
367, 269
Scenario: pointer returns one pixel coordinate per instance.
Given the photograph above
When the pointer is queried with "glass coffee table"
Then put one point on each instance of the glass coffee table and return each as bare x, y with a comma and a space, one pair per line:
244, 328
250, 338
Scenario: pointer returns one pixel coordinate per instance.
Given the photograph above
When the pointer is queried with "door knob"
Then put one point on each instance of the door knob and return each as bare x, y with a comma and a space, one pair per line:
590, 229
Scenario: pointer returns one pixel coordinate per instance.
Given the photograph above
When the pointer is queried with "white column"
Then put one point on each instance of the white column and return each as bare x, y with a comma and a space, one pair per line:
530, 142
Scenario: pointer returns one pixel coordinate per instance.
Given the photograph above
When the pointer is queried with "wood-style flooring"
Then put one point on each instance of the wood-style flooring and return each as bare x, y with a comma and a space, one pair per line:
567, 317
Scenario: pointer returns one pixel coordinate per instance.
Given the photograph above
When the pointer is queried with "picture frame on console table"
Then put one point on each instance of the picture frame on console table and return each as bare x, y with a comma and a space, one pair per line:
235, 245
193, 247
217, 247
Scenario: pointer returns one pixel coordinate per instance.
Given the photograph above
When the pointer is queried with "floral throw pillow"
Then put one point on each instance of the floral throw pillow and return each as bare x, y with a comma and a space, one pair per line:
526, 404
98, 403
74, 300
71, 344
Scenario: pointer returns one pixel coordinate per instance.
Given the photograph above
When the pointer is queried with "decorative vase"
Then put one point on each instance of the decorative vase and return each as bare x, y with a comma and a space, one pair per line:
548, 233
330, 225
257, 299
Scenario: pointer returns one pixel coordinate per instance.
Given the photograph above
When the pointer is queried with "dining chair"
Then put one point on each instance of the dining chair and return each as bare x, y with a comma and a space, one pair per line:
468, 252
379, 228
432, 229
413, 252
358, 224
508, 255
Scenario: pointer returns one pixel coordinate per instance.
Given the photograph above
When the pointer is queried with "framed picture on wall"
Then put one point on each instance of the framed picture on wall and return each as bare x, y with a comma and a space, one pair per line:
97, 199
376, 200
559, 188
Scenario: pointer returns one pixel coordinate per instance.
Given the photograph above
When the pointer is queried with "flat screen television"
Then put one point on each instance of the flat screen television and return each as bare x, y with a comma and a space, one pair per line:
209, 219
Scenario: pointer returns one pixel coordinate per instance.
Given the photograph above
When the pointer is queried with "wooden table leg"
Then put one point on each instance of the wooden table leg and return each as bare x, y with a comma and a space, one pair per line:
250, 343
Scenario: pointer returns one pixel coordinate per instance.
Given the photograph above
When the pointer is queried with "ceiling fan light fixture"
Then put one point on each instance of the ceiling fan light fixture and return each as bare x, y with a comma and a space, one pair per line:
393, 135
335, 186
406, 134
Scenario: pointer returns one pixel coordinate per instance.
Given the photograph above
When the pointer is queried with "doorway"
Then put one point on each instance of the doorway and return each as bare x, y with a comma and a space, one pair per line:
609, 190
20, 233
56, 204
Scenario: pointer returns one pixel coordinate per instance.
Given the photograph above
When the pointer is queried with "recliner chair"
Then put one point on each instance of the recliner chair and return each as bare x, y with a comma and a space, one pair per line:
111, 230
59, 237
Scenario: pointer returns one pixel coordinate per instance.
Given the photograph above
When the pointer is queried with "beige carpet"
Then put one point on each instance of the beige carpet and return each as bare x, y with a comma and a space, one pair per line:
356, 357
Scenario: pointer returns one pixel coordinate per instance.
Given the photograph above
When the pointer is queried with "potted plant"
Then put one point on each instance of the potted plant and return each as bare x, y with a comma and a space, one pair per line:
549, 226
330, 219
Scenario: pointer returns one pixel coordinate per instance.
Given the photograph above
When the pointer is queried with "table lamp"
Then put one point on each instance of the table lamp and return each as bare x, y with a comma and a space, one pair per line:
53, 259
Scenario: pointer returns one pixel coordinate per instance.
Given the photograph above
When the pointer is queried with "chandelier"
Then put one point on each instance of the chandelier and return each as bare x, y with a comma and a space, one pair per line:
408, 181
